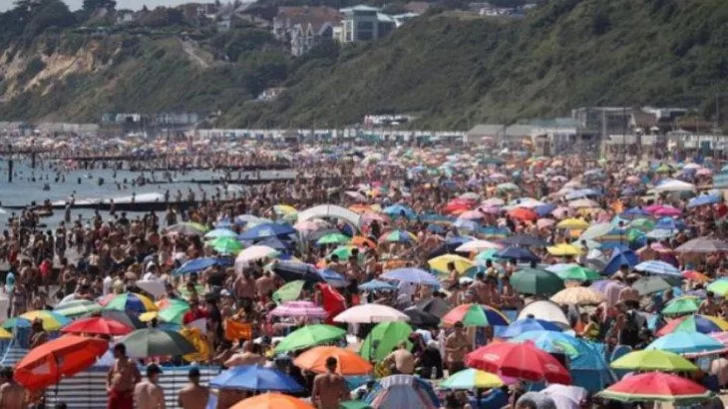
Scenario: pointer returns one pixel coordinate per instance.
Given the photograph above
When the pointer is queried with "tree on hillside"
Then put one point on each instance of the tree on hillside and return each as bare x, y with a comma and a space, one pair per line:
90, 6
49, 14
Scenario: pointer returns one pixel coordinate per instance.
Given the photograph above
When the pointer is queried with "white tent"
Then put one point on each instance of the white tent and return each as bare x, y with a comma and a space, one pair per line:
545, 310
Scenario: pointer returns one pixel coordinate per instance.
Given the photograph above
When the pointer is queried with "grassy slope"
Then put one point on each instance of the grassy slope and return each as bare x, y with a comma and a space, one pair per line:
456, 72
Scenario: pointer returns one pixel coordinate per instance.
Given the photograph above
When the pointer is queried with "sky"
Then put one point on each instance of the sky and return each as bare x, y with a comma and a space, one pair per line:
120, 4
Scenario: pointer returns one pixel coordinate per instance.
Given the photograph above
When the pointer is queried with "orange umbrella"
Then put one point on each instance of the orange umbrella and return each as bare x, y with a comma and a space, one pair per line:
272, 401
522, 213
360, 208
349, 363
361, 241
68, 355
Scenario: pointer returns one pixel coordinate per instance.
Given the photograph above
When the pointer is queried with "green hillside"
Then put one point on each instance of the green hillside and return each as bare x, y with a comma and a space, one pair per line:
454, 70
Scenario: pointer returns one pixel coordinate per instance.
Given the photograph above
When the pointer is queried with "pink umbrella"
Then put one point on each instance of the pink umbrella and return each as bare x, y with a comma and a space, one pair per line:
472, 215
668, 211
704, 172
561, 212
653, 208
660, 248
544, 223
306, 226
721, 337
489, 210
299, 309
369, 217
633, 179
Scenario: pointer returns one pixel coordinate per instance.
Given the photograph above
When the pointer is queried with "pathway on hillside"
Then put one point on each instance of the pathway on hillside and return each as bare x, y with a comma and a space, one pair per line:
191, 50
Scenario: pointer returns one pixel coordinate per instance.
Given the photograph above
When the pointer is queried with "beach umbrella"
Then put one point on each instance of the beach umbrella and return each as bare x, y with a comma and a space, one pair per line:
578, 296
66, 356
131, 302
411, 275
721, 337
370, 313
150, 342
216, 233
655, 387
294, 270
422, 319
440, 263
658, 267
573, 224
289, 291
398, 236
403, 392
173, 312
333, 278
651, 285
299, 309
528, 324
564, 250
653, 360
348, 363
719, 287
635, 212
5, 335
705, 324
518, 253
333, 238
342, 252
121, 316
435, 306
475, 315
76, 308
578, 273
226, 245
661, 234
703, 245
361, 241
472, 379
536, 281
643, 225
97, 326
255, 378
201, 264
682, 306
51, 321
545, 310
518, 360
595, 231
383, 339
377, 285
521, 213
265, 230
309, 336
477, 246
272, 401
695, 276
398, 210
566, 396
687, 343
187, 229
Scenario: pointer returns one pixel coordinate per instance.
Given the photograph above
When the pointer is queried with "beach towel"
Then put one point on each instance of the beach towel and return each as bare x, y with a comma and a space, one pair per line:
333, 302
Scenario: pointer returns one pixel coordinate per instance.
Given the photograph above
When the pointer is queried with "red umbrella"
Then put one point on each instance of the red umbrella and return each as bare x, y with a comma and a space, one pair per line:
655, 386
68, 355
522, 360
97, 325
523, 214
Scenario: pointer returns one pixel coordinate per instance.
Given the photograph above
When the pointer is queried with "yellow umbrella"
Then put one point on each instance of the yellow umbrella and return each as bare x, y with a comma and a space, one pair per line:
198, 339
4, 334
563, 250
573, 224
440, 263
577, 296
148, 316
284, 209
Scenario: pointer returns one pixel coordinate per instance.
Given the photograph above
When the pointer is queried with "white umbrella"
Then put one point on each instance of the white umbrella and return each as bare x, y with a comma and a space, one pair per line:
370, 313
547, 311
583, 204
252, 253
675, 186
153, 287
477, 245
596, 230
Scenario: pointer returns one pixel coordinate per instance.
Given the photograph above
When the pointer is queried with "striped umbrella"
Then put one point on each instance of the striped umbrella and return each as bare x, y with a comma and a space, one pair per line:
475, 315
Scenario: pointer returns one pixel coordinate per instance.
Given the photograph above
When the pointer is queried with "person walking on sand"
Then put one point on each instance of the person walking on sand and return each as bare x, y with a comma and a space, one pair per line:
193, 395
122, 377
329, 389
148, 394
12, 395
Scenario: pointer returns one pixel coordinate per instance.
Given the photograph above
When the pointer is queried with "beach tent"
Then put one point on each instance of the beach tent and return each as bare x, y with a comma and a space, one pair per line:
331, 211
547, 311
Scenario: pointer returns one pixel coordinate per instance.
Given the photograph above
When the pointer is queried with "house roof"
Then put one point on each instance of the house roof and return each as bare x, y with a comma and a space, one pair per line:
360, 7
418, 7
486, 130
316, 16
643, 119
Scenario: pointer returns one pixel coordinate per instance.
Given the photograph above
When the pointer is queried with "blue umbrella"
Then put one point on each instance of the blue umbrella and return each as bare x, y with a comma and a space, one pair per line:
621, 256
276, 243
412, 275
686, 343
465, 224
220, 232
703, 200
582, 353
634, 212
199, 264
518, 253
396, 210
265, 230
436, 228
544, 209
578, 194
333, 278
524, 240
658, 268
668, 223
377, 285
293, 270
528, 324
660, 234
255, 378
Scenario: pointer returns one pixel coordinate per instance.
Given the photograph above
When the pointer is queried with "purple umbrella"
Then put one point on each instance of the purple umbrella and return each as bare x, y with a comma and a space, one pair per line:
609, 288
299, 309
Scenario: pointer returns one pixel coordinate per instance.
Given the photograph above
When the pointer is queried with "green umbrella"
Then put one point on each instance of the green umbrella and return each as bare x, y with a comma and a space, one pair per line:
289, 292
343, 252
536, 281
643, 225
77, 307
333, 238
471, 379
653, 360
150, 342
354, 404
682, 306
174, 312
578, 273
309, 336
719, 287
226, 245
650, 285
383, 339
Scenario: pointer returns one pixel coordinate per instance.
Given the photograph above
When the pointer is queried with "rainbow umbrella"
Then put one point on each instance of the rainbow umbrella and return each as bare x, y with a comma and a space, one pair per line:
687, 343
653, 360
51, 321
131, 301
16, 322
398, 236
655, 387
704, 324
719, 287
173, 312
5, 335
471, 379
76, 307
475, 315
